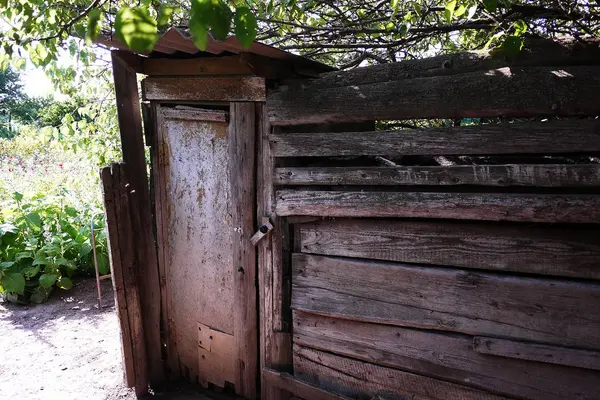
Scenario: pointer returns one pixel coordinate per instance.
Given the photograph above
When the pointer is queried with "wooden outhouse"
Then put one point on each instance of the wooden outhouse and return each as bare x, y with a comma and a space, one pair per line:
425, 229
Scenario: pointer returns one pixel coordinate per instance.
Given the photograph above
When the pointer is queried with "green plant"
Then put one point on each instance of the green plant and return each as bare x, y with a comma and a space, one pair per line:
43, 243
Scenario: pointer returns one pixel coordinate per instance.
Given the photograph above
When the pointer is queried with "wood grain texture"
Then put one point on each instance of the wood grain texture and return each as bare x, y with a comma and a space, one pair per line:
133, 148
204, 89
547, 250
199, 231
361, 380
527, 91
517, 138
443, 356
119, 205
301, 389
228, 65
242, 139
476, 206
474, 303
578, 175
536, 52
275, 346
538, 352
217, 353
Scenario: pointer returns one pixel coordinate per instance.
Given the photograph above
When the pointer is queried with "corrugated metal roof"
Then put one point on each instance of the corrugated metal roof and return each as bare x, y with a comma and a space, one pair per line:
176, 43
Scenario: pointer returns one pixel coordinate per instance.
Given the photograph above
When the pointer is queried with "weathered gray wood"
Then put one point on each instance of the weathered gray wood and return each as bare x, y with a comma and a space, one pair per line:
242, 139
361, 380
275, 346
526, 91
119, 204
544, 250
132, 143
228, 65
536, 52
577, 175
518, 138
475, 303
442, 355
204, 88
477, 206
539, 352
199, 231
304, 390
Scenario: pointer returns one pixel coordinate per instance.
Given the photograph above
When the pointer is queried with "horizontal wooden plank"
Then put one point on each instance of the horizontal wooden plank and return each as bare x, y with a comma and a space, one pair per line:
228, 65
546, 250
295, 386
185, 113
444, 356
361, 380
476, 206
204, 88
539, 352
518, 138
577, 175
535, 52
474, 303
527, 91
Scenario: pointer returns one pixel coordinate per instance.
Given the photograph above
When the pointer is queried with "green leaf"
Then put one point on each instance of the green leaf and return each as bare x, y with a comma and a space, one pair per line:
490, 5
520, 27
6, 264
84, 249
17, 196
512, 45
136, 28
71, 211
199, 34
13, 283
34, 219
64, 283
164, 16
93, 26
449, 10
47, 280
40, 294
210, 15
30, 272
460, 11
245, 26
103, 264
394, 4
472, 11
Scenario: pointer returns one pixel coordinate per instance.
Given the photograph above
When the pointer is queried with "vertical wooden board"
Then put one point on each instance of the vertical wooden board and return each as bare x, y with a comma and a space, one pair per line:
536, 309
132, 143
199, 231
444, 356
524, 248
357, 379
275, 347
242, 139
110, 185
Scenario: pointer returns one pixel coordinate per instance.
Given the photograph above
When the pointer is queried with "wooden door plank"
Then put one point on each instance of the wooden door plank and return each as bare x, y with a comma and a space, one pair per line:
204, 88
242, 139
476, 206
118, 204
442, 355
516, 91
546, 250
275, 346
132, 143
519, 138
301, 389
538, 352
358, 379
475, 303
578, 175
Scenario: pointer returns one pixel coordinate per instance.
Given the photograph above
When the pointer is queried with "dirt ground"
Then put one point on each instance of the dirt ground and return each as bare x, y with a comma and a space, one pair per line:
66, 348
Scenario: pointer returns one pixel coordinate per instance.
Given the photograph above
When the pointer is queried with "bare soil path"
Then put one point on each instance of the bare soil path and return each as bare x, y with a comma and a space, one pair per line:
65, 349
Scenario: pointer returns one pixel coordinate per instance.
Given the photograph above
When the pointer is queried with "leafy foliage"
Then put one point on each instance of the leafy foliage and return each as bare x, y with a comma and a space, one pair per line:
43, 244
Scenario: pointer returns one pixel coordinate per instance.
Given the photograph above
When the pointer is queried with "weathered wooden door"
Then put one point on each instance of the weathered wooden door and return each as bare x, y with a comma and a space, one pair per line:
204, 192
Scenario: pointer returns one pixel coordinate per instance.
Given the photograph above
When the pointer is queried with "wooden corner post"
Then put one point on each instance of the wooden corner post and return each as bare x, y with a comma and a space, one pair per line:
145, 256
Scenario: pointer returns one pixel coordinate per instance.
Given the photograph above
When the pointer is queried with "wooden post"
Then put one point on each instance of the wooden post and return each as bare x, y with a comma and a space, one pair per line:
118, 203
242, 131
132, 142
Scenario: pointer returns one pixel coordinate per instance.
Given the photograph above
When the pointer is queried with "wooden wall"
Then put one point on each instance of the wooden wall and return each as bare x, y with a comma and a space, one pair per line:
445, 262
